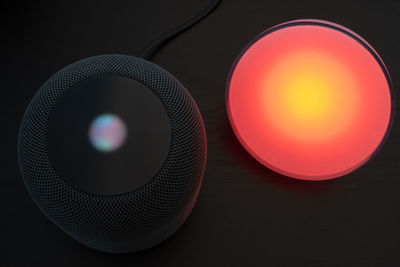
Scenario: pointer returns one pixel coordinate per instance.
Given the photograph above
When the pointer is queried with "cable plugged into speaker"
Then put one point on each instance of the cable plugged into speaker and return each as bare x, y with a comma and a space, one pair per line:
113, 149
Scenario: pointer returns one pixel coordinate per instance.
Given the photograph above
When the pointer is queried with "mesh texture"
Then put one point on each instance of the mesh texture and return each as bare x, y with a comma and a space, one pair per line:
90, 218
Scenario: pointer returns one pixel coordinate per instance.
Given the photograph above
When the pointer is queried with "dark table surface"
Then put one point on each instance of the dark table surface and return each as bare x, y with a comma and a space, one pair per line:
246, 215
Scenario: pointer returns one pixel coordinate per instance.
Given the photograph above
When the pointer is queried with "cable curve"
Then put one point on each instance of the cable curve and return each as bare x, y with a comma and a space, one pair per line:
148, 52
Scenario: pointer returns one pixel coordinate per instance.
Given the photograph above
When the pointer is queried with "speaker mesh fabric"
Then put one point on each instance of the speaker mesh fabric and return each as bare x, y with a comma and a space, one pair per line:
137, 219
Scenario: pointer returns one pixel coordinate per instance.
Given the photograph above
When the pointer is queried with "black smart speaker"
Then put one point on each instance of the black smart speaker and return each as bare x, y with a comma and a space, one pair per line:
113, 149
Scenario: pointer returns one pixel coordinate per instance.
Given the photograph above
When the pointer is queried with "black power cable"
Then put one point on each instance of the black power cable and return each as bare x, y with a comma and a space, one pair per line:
150, 50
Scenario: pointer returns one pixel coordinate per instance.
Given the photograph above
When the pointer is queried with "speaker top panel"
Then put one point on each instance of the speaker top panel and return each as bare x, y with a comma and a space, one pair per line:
108, 135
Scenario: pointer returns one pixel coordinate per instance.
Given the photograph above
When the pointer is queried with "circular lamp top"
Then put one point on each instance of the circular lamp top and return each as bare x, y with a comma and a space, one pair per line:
310, 99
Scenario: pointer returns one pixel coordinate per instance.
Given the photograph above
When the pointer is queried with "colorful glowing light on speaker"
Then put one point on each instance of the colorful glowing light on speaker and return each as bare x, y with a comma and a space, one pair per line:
310, 99
107, 132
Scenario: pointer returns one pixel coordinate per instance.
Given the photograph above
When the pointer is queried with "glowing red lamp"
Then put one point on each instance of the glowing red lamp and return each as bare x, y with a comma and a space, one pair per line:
310, 99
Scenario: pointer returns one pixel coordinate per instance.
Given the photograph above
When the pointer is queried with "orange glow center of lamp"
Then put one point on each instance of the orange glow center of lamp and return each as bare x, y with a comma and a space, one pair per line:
310, 99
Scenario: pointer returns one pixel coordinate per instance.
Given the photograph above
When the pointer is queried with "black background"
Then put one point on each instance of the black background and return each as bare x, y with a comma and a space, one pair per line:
246, 215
